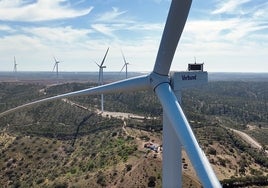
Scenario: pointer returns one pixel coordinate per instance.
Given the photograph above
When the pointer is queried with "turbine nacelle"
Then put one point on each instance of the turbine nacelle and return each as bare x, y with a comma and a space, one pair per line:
101, 67
188, 79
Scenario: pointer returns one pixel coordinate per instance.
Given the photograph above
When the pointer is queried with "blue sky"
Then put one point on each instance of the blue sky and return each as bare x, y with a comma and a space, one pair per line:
228, 36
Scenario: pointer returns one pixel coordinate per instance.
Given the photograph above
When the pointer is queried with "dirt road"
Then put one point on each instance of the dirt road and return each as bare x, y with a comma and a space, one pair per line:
249, 140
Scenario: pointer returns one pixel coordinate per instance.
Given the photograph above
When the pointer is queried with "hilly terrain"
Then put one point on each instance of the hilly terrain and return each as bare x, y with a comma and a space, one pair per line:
69, 143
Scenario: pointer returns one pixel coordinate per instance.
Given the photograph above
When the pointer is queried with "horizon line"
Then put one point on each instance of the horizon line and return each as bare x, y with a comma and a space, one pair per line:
44, 71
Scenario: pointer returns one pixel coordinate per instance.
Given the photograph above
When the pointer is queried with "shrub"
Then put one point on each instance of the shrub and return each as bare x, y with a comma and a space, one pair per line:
40, 180
101, 179
212, 151
128, 167
60, 185
151, 182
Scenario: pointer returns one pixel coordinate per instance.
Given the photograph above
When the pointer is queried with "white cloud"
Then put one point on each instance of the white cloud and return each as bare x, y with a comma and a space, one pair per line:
223, 41
58, 34
260, 12
153, 27
41, 10
6, 28
105, 29
229, 30
111, 16
229, 6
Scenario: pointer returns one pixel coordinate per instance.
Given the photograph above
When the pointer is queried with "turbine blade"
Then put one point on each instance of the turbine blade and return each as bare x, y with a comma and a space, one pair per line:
122, 68
104, 57
186, 136
124, 57
54, 66
176, 19
98, 64
15, 65
132, 84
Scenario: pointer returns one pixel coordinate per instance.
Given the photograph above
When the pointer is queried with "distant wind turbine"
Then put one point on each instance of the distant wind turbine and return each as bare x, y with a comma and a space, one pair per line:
176, 129
15, 65
15, 68
125, 63
100, 81
56, 66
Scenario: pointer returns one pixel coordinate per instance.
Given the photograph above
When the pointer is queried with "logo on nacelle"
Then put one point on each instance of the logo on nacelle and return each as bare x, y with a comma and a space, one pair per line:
188, 77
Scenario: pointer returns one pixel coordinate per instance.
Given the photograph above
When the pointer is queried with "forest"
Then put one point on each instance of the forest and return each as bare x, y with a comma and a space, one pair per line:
80, 141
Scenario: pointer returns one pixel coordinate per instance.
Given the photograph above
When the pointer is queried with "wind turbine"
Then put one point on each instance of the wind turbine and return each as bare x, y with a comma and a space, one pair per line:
101, 67
56, 65
176, 129
15, 65
15, 68
125, 63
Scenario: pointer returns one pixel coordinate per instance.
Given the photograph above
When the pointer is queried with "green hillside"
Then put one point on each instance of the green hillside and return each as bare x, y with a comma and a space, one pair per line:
40, 147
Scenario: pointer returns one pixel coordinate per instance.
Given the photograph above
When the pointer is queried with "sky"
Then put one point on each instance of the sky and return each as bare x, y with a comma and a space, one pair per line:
228, 36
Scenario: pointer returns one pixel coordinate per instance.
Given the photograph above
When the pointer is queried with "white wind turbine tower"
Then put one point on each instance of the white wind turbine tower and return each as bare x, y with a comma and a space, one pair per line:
101, 67
56, 66
176, 129
125, 64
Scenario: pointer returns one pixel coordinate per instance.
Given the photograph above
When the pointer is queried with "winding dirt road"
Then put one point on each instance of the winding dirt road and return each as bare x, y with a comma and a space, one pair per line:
248, 139
253, 143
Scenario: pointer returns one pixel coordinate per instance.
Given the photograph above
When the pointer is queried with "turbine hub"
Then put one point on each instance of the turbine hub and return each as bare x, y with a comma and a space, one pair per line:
157, 79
